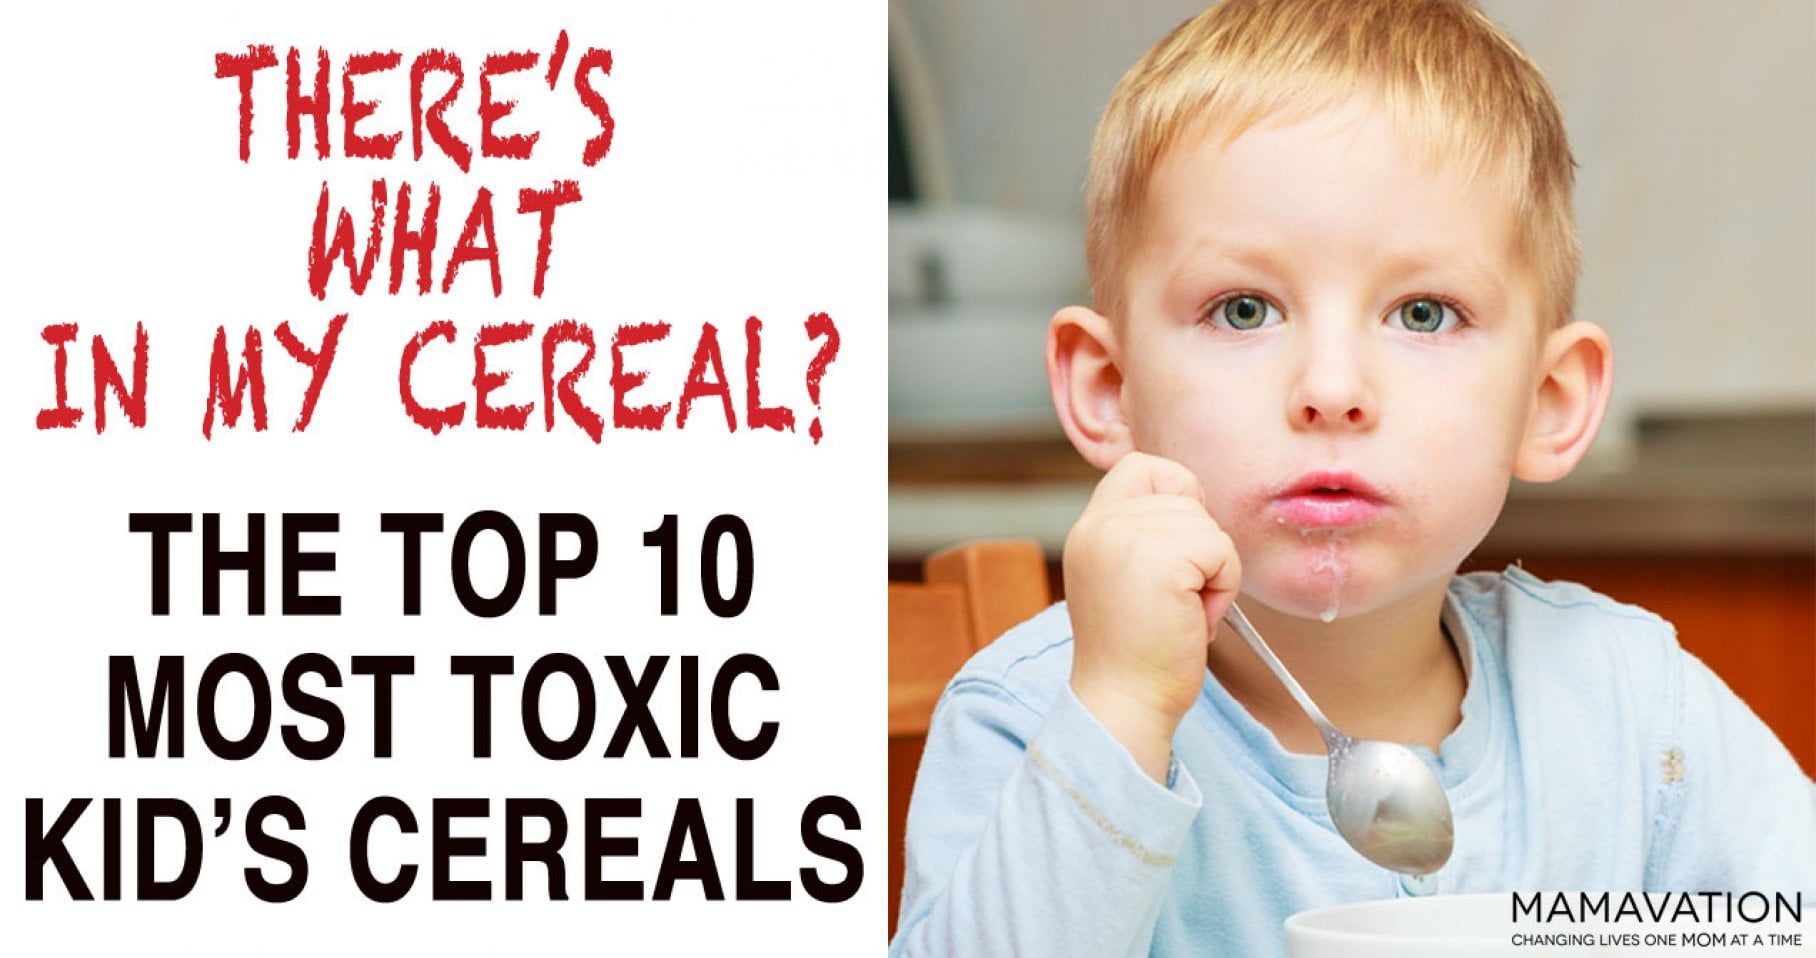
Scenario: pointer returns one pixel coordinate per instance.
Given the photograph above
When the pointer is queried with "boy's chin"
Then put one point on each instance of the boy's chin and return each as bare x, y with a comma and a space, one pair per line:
1322, 581
1327, 607
1331, 592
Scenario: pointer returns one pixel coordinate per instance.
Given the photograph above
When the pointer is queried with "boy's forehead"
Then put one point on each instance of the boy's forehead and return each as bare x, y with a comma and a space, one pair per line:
1343, 181
1354, 138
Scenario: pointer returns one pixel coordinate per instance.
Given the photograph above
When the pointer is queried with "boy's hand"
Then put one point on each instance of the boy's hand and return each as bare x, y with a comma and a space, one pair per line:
1148, 575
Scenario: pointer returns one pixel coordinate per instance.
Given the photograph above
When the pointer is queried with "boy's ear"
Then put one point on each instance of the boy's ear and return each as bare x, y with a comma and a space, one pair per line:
1087, 384
1574, 379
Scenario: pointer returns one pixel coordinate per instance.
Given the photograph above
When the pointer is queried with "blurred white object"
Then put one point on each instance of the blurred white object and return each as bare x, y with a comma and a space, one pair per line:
940, 255
970, 287
966, 371
970, 293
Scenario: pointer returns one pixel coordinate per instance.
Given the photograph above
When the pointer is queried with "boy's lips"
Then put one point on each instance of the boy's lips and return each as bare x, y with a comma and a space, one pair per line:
1327, 500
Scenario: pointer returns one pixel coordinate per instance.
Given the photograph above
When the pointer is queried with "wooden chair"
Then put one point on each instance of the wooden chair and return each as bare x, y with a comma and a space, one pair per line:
971, 594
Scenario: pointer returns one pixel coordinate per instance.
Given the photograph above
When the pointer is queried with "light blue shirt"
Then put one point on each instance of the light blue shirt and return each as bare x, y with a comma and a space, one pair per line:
1593, 754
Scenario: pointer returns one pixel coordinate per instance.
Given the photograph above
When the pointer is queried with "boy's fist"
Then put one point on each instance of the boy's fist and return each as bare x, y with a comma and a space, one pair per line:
1148, 575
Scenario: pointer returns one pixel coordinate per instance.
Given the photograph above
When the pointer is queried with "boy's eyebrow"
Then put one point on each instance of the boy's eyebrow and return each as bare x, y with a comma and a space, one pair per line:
1480, 282
1208, 252
1259, 257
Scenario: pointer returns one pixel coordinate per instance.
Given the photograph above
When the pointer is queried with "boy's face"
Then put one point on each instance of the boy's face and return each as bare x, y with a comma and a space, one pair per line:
1338, 337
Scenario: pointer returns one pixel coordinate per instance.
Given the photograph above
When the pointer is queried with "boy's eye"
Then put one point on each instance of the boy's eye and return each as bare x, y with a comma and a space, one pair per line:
1248, 312
1426, 316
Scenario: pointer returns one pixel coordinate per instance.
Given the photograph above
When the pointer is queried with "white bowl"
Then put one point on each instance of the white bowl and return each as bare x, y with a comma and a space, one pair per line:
1441, 925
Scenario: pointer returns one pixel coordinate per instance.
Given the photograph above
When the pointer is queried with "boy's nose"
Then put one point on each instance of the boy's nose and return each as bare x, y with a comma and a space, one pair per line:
1333, 389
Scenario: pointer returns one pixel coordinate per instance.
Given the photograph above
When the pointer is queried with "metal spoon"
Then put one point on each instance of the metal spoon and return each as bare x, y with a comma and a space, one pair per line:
1384, 800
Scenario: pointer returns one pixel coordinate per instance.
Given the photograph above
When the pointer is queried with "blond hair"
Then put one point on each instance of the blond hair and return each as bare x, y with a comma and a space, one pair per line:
1446, 76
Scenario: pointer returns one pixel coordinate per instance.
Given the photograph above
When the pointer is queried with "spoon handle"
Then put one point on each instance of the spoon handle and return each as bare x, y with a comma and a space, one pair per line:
1240, 624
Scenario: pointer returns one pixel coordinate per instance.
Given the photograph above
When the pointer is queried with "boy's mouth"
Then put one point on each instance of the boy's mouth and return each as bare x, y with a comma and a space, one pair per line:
1327, 500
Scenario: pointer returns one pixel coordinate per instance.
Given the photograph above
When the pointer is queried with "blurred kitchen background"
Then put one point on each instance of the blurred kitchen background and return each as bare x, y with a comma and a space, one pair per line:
1694, 127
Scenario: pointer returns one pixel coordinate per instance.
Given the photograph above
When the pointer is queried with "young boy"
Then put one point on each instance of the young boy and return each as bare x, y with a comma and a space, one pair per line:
1333, 264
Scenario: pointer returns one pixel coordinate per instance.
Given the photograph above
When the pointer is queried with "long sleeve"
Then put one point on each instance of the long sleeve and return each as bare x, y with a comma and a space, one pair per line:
1737, 813
1034, 835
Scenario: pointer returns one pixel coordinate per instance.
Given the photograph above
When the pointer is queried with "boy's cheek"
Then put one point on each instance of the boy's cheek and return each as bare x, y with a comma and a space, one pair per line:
1220, 459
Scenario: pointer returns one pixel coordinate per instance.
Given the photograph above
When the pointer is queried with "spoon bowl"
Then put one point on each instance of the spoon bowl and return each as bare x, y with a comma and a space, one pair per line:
1389, 806
1385, 801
